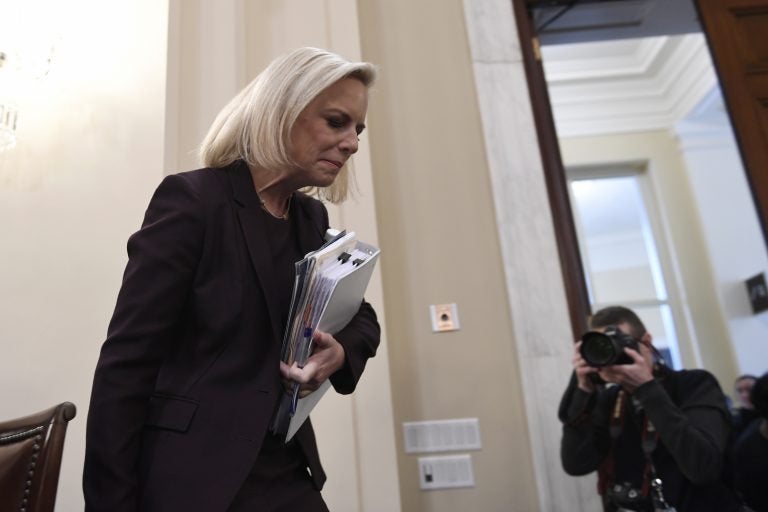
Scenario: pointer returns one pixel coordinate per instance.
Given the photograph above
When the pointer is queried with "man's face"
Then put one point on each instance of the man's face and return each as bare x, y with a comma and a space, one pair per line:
743, 390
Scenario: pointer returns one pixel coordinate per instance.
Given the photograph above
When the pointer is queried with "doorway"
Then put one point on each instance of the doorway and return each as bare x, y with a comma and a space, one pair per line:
627, 85
621, 251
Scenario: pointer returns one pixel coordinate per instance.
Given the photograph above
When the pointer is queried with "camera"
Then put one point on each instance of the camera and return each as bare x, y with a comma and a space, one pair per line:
627, 497
607, 348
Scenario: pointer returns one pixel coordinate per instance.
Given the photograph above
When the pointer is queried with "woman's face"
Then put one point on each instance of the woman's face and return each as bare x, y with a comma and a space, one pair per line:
325, 134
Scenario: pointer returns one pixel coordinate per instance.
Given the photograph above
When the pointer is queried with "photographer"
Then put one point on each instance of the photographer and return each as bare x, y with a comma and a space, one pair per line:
744, 413
656, 437
751, 451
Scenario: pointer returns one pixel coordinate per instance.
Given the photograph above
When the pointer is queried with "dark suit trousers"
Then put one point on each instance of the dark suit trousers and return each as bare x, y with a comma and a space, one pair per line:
279, 482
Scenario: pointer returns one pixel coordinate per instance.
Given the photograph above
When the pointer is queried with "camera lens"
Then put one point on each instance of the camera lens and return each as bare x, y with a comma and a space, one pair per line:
597, 349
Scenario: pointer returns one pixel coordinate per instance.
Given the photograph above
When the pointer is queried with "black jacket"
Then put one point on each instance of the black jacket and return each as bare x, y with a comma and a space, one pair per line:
689, 412
188, 377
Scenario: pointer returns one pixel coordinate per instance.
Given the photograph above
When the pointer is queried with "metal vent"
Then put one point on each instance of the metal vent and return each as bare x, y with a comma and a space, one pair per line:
442, 435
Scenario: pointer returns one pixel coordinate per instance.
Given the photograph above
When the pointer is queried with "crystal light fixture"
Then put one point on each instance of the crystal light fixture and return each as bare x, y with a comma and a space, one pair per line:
29, 33
8, 117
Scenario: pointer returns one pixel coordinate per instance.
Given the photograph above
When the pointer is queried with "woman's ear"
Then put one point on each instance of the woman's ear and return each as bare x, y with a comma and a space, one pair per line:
646, 339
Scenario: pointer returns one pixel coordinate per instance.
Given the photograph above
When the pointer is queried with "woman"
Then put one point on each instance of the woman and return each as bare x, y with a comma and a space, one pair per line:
189, 376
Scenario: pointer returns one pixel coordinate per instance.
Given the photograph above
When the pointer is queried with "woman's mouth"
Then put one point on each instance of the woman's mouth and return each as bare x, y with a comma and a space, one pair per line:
334, 163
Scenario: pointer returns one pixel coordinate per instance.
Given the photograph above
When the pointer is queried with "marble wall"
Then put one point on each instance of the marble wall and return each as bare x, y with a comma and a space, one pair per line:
537, 303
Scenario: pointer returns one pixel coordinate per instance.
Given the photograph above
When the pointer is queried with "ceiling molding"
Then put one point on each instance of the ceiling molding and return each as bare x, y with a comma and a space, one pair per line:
628, 58
626, 86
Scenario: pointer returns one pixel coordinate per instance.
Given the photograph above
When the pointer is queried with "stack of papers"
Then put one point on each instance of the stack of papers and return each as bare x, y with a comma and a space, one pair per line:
327, 292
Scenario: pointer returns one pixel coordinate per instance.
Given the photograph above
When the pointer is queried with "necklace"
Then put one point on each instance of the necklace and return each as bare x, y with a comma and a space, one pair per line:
284, 215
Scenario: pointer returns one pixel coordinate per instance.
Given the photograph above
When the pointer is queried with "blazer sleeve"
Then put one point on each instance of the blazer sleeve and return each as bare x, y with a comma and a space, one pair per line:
162, 259
360, 339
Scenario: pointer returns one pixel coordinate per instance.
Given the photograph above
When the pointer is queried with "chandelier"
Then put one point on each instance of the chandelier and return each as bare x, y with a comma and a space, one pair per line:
8, 118
26, 54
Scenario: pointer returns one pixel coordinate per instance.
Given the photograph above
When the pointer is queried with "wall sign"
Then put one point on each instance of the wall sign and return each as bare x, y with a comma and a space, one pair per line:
758, 293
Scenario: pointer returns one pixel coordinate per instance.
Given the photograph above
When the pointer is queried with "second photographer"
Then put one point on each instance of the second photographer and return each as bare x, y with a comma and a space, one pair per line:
656, 437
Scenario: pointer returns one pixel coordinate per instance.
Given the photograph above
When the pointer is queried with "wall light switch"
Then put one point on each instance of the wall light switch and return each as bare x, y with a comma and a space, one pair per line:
445, 317
446, 472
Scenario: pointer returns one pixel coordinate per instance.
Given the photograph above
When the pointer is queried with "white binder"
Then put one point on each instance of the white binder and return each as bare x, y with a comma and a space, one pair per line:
329, 288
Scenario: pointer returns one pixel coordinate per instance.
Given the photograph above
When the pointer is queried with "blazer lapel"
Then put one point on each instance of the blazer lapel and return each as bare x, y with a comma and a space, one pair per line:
309, 224
311, 231
252, 224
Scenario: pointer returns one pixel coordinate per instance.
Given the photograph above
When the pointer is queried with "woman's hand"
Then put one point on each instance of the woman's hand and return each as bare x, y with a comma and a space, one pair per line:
583, 370
327, 357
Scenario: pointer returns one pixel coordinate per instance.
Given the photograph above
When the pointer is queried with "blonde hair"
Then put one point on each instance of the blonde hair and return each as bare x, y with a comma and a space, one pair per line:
256, 124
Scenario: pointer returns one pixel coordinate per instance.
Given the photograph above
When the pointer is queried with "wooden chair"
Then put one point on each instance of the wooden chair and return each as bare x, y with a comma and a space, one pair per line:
30, 459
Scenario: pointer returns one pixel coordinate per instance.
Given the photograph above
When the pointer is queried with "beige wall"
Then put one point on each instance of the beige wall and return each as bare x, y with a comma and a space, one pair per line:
705, 338
724, 200
89, 155
434, 212
450, 188
127, 100
437, 224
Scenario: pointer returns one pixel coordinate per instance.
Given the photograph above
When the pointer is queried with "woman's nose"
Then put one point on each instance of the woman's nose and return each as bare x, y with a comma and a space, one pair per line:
350, 142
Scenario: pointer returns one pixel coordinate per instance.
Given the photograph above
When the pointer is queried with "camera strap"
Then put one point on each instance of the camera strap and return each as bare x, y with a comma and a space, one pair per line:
649, 438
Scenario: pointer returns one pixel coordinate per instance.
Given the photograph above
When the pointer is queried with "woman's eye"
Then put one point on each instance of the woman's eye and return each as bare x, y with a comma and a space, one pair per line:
335, 122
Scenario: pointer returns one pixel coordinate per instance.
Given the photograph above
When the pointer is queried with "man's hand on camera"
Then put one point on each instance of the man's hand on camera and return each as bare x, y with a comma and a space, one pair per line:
583, 370
629, 376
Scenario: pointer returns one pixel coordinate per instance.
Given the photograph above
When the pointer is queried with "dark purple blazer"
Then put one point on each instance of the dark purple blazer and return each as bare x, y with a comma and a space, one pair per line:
188, 377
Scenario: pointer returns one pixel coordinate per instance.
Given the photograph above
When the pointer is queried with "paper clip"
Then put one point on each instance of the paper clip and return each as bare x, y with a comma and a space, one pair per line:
344, 257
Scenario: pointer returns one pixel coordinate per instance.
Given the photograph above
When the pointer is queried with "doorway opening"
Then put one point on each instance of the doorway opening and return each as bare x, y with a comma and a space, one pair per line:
633, 81
619, 244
